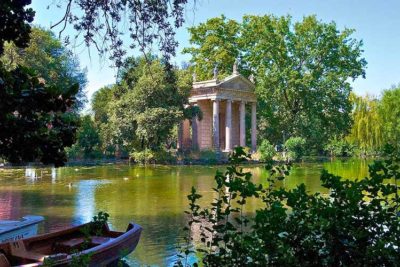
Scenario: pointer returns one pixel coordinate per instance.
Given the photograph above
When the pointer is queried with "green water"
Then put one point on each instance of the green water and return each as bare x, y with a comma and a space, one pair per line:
153, 196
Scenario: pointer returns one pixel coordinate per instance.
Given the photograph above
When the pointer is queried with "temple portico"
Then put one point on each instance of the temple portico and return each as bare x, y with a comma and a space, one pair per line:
223, 104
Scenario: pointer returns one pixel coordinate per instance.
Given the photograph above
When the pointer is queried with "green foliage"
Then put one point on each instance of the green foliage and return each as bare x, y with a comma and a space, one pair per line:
295, 147
389, 111
215, 42
367, 129
144, 107
98, 222
147, 156
100, 100
355, 224
35, 121
301, 69
208, 156
88, 140
15, 22
46, 55
339, 148
266, 150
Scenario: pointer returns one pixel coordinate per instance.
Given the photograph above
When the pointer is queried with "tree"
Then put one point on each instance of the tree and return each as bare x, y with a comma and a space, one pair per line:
51, 61
100, 100
389, 110
87, 139
147, 107
367, 128
36, 122
103, 23
14, 22
215, 43
302, 71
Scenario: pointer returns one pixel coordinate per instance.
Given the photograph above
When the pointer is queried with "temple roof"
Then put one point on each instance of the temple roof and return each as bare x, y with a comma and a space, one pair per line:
233, 87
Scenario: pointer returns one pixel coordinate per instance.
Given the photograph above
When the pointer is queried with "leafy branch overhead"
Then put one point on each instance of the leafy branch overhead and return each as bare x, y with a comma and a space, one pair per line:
104, 23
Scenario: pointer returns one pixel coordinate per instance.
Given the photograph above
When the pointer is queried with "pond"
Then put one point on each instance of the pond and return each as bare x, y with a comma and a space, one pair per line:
152, 196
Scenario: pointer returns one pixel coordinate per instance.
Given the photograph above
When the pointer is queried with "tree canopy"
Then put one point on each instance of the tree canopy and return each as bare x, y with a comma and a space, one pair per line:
366, 131
14, 22
389, 111
302, 69
142, 109
36, 119
47, 56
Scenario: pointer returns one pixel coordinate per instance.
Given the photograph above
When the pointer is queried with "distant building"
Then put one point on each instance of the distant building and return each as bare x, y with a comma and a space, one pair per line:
223, 104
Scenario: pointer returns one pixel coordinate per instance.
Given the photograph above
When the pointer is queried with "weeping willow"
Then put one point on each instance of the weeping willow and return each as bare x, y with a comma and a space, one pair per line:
367, 129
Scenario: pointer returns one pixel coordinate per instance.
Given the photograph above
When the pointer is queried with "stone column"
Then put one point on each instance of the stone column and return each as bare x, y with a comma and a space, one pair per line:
179, 145
228, 126
253, 127
242, 127
216, 124
195, 139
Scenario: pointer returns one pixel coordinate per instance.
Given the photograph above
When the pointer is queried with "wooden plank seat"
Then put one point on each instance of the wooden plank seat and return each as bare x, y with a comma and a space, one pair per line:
69, 245
78, 243
18, 249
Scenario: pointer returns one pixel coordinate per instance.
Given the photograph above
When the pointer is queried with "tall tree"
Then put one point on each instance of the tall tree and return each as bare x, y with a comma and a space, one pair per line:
142, 109
46, 55
100, 101
14, 22
367, 128
35, 118
389, 111
215, 44
302, 71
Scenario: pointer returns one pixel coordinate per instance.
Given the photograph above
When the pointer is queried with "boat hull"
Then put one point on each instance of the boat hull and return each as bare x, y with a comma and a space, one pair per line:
15, 230
62, 247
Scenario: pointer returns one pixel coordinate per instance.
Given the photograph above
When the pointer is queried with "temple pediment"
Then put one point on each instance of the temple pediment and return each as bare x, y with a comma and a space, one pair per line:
237, 82
234, 87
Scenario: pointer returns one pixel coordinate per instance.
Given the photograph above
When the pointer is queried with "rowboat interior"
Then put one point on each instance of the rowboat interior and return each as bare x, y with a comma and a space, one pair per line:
56, 246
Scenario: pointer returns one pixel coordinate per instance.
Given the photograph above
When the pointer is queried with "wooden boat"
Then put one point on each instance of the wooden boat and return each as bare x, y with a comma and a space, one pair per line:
62, 247
24, 228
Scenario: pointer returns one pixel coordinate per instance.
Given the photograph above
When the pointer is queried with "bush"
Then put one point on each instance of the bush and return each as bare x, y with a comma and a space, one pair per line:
149, 156
339, 148
266, 151
209, 156
295, 147
356, 224
144, 157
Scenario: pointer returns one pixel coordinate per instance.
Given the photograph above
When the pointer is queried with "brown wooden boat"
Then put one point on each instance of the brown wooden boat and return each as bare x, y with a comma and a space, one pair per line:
62, 247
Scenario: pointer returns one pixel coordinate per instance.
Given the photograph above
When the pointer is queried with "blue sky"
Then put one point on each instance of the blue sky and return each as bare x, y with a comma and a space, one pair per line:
377, 23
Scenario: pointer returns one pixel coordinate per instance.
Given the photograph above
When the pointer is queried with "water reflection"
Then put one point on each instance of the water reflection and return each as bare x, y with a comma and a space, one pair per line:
154, 197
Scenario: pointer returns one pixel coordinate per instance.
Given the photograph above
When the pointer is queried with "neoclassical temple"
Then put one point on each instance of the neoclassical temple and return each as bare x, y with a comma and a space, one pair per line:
223, 104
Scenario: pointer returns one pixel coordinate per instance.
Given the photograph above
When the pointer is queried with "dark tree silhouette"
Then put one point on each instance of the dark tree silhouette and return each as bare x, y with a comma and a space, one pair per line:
36, 121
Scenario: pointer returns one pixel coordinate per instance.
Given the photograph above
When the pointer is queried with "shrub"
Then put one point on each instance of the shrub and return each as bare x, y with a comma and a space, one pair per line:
149, 156
266, 151
209, 156
144, 157
339, 148
356, 224
295, 147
